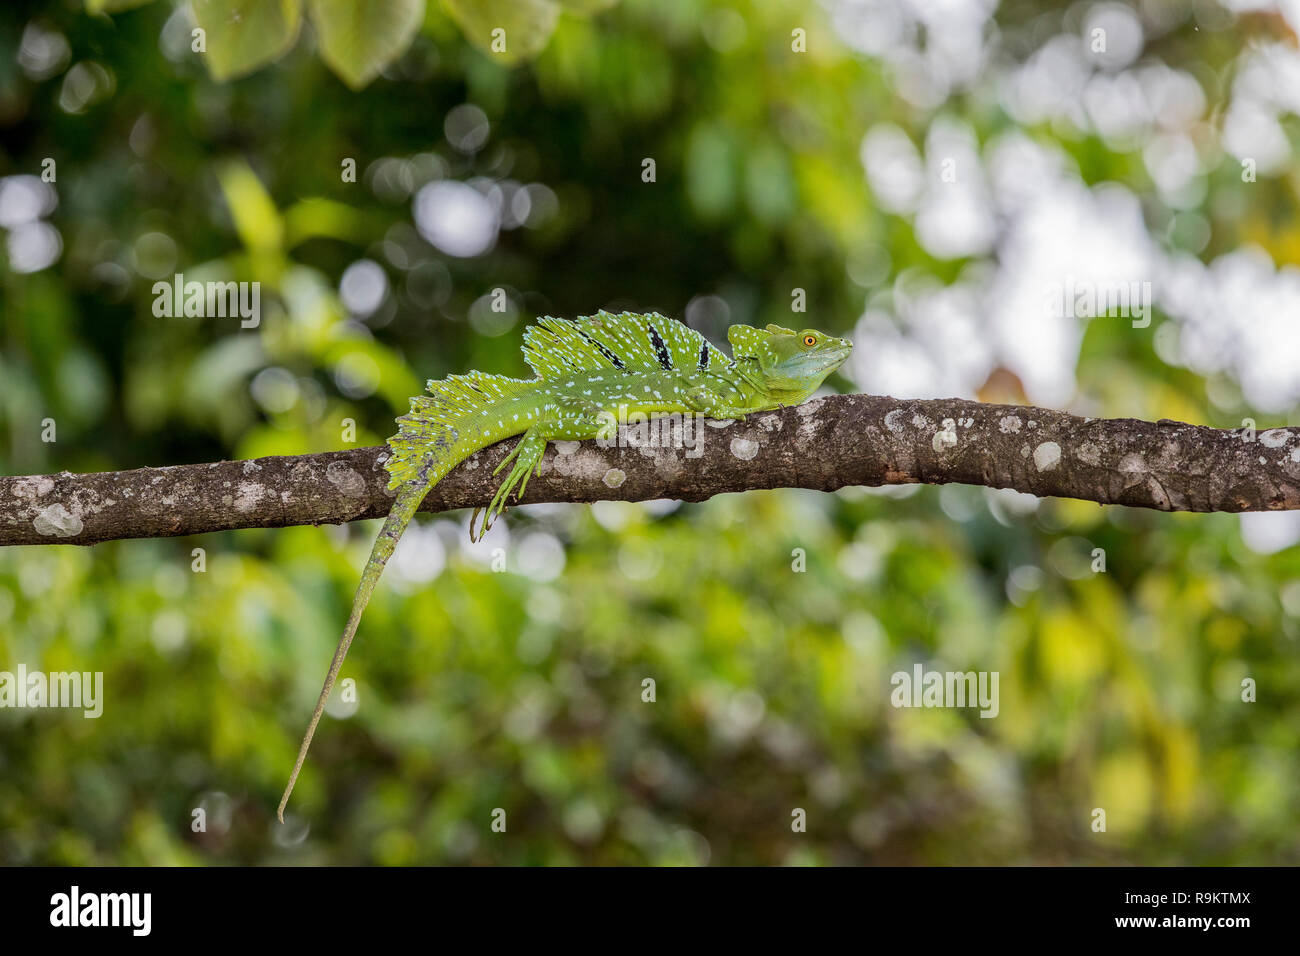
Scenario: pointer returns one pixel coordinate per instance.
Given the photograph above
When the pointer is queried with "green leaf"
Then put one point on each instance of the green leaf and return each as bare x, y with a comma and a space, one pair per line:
321, 218
243, 35
358, 38
256, 219
527, 26
113, 6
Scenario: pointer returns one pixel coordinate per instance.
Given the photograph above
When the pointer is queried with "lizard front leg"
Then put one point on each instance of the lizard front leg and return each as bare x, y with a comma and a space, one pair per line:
706, 401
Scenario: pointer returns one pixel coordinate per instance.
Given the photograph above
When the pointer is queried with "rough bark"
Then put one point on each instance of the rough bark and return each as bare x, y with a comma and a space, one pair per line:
824, 445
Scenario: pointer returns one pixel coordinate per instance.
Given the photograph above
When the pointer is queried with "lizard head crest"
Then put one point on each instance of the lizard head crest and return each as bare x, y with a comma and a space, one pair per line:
792, 364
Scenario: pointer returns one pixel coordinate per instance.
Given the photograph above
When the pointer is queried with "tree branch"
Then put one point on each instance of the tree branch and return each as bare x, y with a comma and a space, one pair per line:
825, 444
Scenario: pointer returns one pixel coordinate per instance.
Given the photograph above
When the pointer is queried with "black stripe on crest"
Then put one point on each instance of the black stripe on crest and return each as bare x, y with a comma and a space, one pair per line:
661, 350
704, 355
613, 359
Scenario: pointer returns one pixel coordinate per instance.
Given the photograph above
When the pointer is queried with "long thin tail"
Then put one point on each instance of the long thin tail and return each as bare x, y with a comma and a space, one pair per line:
408, 500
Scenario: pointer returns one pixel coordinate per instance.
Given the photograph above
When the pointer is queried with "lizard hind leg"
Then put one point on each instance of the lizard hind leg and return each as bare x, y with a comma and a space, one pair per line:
578, 420
487, 523
527, 457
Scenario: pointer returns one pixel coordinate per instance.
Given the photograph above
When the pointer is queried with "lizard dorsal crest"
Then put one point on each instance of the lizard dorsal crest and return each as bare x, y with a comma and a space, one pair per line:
627, 342
746, 340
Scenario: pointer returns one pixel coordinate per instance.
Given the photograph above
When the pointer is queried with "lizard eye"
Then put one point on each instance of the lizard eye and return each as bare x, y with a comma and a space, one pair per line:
810, 340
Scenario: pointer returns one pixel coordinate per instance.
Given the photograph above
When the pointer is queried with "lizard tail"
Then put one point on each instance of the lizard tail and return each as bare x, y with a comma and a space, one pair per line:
441, 429
404, 508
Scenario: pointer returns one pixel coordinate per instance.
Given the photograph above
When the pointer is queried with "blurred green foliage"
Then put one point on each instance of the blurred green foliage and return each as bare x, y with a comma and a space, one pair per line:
523, 690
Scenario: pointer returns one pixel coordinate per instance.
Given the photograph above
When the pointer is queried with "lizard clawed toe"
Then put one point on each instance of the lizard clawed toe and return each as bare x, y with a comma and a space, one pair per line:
482, 531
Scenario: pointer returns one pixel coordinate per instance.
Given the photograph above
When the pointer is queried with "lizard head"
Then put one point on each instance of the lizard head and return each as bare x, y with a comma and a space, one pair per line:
792, 364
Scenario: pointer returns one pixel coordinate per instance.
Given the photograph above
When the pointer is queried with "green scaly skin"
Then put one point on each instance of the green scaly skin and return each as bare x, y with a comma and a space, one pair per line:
591, 372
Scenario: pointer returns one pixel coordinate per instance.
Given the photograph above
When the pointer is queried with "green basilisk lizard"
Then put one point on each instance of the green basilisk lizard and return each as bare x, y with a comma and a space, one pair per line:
588, 370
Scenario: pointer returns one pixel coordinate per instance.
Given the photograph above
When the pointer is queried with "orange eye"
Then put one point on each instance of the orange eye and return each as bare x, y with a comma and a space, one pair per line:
810, 340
